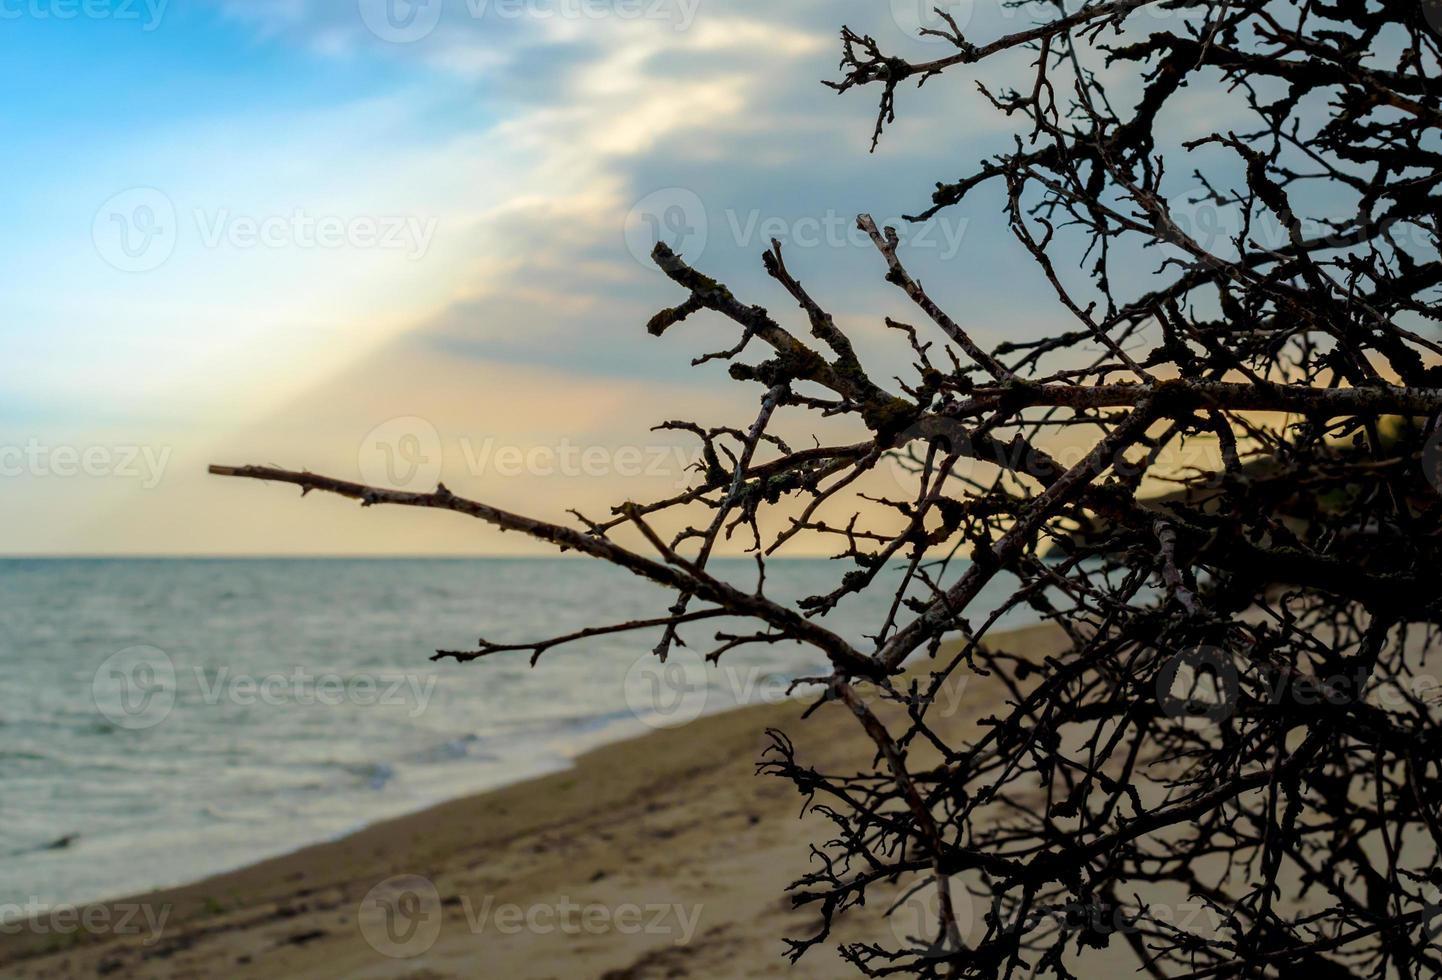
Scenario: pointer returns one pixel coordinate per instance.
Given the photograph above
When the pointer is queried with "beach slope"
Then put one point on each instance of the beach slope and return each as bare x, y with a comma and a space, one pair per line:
662, 856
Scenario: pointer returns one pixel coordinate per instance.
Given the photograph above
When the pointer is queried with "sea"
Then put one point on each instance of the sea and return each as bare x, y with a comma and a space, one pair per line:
162, 720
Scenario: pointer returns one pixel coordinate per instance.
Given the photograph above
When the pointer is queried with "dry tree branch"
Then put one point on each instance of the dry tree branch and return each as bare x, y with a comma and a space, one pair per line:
1242, 717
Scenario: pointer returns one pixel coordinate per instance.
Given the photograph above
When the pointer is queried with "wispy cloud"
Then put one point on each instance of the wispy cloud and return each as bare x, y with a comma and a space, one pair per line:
539, 147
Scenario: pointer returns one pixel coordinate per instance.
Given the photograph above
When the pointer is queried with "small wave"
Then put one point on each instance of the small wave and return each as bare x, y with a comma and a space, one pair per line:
375, 774
58, 844
6, 755
242, 815
452, 750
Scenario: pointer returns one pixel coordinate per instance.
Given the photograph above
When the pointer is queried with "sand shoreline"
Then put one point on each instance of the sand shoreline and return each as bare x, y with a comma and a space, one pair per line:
662, 855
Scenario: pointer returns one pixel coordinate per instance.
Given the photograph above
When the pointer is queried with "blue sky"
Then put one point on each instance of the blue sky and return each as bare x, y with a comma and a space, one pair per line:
486, 187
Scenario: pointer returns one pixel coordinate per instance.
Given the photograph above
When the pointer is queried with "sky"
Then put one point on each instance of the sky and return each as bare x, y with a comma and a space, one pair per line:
405, 240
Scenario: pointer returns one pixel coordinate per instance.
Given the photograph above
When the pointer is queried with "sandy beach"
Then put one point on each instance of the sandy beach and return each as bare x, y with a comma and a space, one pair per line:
662, 856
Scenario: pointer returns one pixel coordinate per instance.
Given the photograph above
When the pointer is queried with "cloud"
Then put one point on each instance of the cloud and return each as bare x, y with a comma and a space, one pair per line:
535, 139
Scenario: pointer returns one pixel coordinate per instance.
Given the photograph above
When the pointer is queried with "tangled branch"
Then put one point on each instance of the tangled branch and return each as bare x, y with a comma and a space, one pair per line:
1242, 717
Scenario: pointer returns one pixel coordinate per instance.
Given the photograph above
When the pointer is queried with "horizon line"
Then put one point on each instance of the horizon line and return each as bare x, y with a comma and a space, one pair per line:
140, 556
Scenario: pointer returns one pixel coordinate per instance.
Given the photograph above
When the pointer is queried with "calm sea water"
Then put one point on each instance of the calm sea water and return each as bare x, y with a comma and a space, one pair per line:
169, 719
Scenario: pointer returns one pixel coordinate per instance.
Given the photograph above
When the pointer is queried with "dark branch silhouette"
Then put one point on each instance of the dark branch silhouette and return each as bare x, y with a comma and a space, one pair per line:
1242, 717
